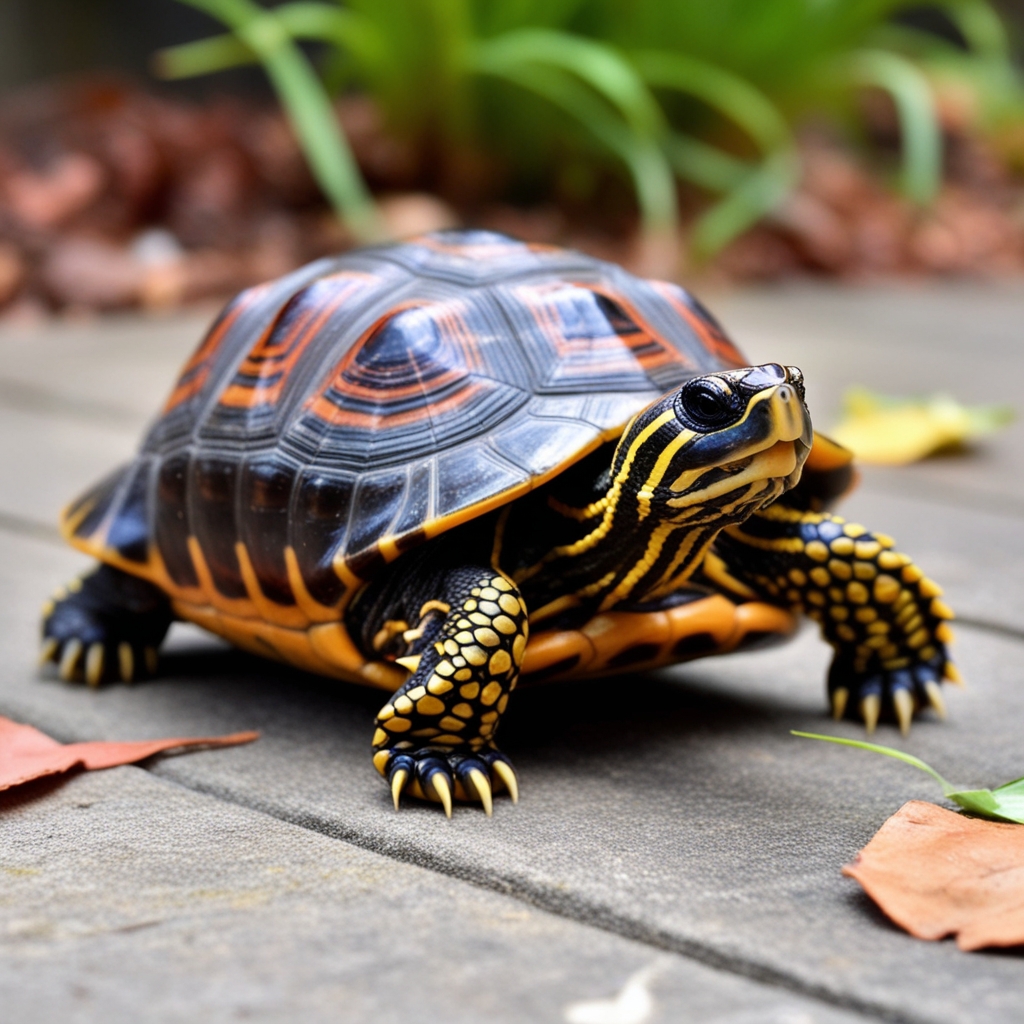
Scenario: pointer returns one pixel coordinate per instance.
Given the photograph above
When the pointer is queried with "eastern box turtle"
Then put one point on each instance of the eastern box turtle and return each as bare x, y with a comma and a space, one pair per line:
441, 467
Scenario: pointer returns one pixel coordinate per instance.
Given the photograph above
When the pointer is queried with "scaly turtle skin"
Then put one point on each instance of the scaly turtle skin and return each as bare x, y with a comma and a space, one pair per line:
443, 467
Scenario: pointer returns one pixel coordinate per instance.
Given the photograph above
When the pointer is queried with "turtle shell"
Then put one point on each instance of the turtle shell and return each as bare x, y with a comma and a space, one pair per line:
342, 414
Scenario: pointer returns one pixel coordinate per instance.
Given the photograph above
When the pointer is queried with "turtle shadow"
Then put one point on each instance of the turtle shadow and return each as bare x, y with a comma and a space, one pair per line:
592, 717
633, 710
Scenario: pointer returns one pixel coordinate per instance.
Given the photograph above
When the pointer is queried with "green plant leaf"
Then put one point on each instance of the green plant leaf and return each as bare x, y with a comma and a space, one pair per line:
915, 108
601, 92
981, 27
1005, 803
202, 57
724, 92
752, 189
759, 193
308, 107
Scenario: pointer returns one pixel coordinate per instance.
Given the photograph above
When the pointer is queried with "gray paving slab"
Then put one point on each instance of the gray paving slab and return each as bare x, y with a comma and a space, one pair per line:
45, 461
675, 808
74, 400
124, 897
115, 369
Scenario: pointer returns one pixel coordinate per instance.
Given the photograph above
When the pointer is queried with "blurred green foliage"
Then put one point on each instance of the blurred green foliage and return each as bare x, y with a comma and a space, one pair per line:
560, 91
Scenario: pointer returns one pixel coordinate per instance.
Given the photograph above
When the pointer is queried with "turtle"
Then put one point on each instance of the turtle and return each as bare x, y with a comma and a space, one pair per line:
445, 466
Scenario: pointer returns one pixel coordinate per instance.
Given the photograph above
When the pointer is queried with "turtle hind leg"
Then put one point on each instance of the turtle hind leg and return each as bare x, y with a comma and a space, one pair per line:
434, 738
105, 625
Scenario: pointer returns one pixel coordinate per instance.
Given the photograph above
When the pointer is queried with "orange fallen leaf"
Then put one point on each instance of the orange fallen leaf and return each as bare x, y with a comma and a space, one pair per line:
937, 873
27, 753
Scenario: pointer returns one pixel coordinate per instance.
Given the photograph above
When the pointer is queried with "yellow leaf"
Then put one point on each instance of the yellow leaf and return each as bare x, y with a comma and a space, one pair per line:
896, 431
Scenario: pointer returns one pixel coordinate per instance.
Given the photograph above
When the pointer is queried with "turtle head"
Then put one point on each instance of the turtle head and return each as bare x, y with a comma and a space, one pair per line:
718, 448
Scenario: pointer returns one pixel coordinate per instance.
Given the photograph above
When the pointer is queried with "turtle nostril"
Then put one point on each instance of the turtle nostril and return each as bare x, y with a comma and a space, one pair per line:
785, 393
796, 378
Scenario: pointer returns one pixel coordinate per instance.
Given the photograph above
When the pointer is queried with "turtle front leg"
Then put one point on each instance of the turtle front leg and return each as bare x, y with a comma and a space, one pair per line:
882, 615
435, 737
104, 625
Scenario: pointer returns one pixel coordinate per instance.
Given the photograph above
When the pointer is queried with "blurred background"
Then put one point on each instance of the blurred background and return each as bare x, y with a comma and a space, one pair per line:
158, 153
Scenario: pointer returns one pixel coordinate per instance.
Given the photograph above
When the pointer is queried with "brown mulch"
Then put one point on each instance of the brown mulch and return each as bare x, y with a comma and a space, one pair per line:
113, 197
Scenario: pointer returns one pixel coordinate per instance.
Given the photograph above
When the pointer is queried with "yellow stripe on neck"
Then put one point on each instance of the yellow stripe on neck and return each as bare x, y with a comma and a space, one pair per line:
646, 493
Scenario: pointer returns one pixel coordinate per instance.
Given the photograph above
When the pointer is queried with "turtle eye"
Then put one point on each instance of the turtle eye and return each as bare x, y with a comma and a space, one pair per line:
706, 404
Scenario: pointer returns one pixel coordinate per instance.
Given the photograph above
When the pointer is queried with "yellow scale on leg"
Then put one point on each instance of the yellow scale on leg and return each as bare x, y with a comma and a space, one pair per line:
458, 690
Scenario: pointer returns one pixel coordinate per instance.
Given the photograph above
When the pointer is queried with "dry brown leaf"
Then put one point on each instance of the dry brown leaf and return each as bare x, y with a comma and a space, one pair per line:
937, 873
27, 754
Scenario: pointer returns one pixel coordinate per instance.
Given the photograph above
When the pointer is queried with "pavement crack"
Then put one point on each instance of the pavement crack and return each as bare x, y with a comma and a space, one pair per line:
11, 522
997, 628
24, 397
555, 900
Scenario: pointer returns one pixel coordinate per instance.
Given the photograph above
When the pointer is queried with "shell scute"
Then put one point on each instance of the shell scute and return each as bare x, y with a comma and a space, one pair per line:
472, 257
213, 515
570, 339
715, 343
415, 384
318, 524
537, 443
171, 528
87, 513
473, 475
419, 499
378, 498
129, 528
265, 500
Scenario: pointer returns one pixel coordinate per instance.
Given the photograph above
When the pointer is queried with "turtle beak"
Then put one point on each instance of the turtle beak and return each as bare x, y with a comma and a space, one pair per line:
789, 414
792, 421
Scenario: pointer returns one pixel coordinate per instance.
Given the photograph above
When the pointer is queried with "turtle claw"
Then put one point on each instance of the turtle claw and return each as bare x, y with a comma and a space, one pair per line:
443, 776
69, 659
126, 662
903, 705
398, 780
870, 707
895, 695
94, 658
100, 628
839, 700
94, 661
935, 698
48, 651
443, 791
507, 774
483, 789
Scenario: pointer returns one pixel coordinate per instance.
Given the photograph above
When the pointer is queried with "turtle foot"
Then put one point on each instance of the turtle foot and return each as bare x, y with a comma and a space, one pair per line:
104, 627
894, 695
444, 776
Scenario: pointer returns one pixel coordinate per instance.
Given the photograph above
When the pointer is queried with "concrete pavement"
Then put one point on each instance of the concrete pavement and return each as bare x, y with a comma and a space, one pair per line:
702, 839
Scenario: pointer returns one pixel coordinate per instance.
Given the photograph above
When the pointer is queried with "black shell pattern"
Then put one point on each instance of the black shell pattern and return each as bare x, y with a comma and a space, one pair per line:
363, 403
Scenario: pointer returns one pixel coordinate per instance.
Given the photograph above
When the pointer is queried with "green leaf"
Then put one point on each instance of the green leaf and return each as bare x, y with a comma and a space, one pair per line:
308, 107
728, 94
915, 108
1005, 803
759, 193
752, 190
202, 57
603, 94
